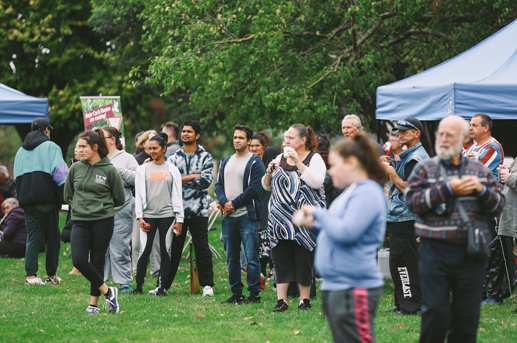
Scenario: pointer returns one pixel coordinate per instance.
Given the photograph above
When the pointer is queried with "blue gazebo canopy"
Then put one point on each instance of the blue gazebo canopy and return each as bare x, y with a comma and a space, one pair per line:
19, 108
482, 79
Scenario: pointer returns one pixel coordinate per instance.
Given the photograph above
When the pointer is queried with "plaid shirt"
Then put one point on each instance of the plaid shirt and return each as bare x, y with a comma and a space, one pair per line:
8, 188
425, 191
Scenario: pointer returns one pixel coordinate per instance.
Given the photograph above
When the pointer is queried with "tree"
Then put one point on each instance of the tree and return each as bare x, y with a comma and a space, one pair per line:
49, 49
274, 62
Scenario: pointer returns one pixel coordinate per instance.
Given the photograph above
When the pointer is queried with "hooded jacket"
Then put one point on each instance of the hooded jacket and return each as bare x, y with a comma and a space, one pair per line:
93, 190
15, 230
252, 186
195, 201
39, 171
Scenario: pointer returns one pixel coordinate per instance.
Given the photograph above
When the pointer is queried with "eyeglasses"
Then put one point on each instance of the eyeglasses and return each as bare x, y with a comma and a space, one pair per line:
406, 123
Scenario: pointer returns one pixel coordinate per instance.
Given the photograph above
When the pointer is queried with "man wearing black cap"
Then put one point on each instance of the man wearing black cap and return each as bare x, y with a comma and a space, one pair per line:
401, 222
40, 173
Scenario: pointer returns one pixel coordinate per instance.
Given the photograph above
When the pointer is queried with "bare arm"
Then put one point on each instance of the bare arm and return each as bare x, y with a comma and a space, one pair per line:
188, 178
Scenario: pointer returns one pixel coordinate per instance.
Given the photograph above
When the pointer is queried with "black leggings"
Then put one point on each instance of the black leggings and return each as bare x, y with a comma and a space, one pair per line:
162, 224
91, 238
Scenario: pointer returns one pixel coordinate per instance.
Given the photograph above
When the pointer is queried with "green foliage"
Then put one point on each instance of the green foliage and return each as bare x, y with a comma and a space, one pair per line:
9, 143
56, 54
271, 63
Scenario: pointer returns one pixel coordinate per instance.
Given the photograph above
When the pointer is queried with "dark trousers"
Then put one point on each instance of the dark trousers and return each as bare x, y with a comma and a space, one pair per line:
404, 271
198, 227
91, 238
47, 224
351, 313
164, 225
14, 250
236, 230
444, 269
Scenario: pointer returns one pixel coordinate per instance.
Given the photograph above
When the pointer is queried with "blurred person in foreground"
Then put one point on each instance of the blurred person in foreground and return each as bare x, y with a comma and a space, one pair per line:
118, 259
40, 173
14, 238
445, 266
93, 189
350, 232
292, 246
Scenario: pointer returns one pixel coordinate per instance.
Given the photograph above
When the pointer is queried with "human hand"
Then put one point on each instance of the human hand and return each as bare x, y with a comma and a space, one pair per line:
147, 160
293, 155
271, 167
143, 225
504, 173
466, 185
474, 156
304, 217
228, 208
178, 227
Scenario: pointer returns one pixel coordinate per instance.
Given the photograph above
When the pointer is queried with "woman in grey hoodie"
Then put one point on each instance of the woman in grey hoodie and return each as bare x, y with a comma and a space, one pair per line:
118, 259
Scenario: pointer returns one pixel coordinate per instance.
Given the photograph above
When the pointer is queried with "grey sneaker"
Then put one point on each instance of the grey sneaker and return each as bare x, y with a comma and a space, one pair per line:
92, 310
112, 300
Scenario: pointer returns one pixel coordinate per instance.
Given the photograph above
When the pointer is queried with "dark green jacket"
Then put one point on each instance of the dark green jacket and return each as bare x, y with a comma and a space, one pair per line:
93, 190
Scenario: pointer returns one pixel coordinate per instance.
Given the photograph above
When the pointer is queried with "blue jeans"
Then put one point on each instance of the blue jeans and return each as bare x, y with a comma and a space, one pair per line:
237, 230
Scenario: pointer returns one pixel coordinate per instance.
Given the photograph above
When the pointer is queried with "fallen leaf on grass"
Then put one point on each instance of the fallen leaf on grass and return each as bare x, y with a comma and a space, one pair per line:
262, 310
175, 315
290, 302
400, 325
296, 332
247, 318
513, 324
200, 315
255, 323
188, 287
121, 312
41, 330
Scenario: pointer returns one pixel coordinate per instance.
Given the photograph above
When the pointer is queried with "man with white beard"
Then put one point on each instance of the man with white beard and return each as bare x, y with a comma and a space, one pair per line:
444, 263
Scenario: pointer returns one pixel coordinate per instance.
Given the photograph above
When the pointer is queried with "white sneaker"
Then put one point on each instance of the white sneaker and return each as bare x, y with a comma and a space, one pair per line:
56, 280
35, 281
208, 291
153, 291
92, 310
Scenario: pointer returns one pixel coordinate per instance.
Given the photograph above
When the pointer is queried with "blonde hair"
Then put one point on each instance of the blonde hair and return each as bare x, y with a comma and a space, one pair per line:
145, 136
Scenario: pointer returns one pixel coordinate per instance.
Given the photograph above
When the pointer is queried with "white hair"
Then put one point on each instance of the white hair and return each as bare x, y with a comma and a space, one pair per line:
356, 119
3, 170
465, 129
12, 201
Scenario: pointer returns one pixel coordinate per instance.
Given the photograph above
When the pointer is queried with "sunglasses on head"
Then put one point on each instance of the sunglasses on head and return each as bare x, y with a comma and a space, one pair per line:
406, 123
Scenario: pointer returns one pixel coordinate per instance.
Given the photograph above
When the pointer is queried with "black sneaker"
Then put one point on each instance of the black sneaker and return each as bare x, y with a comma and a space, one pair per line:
137, 290
252, 299
162, 292
305, 304
281, 306
235, 299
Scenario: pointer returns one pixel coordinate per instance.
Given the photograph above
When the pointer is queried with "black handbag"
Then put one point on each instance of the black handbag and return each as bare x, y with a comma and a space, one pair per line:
478, 232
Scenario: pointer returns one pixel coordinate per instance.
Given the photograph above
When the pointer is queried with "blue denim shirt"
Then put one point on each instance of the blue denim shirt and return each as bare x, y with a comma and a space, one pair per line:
397, 210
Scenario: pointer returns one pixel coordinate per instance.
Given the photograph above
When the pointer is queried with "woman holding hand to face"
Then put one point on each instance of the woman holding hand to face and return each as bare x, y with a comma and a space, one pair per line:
158, 206
350, 232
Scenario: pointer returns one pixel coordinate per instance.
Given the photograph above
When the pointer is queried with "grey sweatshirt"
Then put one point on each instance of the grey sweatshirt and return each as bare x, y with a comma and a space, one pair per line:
126, 165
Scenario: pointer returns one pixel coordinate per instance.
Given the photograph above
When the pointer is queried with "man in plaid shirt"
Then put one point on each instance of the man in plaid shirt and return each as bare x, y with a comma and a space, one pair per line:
443, 260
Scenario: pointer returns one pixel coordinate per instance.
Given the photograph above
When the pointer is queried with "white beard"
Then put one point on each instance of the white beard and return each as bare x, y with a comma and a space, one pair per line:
449, 153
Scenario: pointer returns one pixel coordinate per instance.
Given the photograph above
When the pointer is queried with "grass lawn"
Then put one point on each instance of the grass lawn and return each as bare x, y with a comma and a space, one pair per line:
57, 313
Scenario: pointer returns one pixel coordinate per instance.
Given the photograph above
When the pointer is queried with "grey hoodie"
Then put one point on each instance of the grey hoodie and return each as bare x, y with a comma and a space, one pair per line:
126, 165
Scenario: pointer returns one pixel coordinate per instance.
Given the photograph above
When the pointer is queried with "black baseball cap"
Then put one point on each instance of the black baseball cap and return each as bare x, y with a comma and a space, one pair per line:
409, 123
40, 124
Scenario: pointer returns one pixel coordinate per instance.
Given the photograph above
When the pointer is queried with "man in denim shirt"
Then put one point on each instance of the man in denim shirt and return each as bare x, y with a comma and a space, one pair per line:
401, 222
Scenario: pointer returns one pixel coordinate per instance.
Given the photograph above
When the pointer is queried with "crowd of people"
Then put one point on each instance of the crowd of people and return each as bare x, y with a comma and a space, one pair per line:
300, 208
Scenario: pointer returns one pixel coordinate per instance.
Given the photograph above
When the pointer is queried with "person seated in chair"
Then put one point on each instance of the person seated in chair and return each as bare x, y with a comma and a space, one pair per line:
14, 238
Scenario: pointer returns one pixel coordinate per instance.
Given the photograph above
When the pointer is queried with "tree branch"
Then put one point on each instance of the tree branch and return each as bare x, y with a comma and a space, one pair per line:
409, 33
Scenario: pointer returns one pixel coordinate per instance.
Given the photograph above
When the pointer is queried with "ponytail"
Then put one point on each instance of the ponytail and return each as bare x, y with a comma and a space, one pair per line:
96, 137
113, 132
366, 152
311, 143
